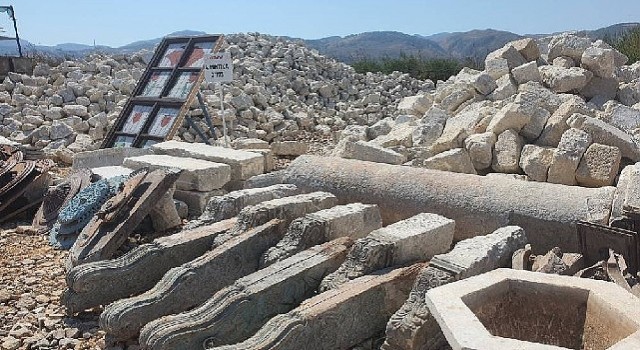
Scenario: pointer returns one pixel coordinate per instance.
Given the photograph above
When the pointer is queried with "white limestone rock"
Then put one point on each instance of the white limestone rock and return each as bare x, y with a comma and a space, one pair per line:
526, 72
573, 144
535, 161
599, 166
456, 160
480, 149
561, 79
506, 152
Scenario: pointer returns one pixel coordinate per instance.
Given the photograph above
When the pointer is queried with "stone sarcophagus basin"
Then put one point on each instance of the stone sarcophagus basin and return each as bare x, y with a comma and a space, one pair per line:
513, 309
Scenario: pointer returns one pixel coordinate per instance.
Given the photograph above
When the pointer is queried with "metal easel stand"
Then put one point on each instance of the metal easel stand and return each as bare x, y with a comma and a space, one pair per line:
207, 119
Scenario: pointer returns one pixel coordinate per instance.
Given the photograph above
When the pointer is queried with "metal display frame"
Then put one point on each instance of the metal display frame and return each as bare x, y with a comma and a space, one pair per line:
163, 100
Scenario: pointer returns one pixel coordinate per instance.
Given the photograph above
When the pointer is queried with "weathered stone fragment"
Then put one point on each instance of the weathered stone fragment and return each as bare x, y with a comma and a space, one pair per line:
324, 321
354, 220
289, 148
415, 105
568, 45
535, 161
511, 116
528, 48
507, 54
459, 127
164, 215
506, 88
506, 152
557, 124
196, 201
606, 134
229, 205
192, 283
199, 175
372, 152
481, 81
566, 157
561, 79
600, 61
106, 157
598, 166
480, 149
455, 160
624, 118
526, 72
412, 327
234, 313
400, 135
412, 240
243, 164
139, 270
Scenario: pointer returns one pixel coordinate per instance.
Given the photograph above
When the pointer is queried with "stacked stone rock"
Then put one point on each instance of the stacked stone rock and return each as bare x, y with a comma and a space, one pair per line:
281, 89
569, 115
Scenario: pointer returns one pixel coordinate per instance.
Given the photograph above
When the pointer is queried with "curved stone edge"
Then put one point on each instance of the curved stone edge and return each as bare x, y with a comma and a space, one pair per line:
92, 284
190, 284
236, 312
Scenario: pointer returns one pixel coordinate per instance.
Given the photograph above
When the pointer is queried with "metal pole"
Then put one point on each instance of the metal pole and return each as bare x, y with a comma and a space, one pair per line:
224, 121
15, 27
207, 117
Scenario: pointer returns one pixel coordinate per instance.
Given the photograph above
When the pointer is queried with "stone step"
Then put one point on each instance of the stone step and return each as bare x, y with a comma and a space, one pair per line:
197, 174
412, 240
92, 284
229, 205
337, 319
238, 311
354, 220
412, 327
192, 283
243, 164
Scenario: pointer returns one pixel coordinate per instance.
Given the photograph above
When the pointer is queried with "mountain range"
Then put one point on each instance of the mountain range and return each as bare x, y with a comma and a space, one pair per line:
470, 45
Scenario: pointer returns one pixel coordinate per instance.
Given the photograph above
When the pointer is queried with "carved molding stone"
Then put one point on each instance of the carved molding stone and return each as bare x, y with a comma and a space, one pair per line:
92, 284
238, 311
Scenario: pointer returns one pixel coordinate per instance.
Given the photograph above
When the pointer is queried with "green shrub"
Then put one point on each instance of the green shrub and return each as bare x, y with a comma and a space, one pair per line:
416, 66
629, 45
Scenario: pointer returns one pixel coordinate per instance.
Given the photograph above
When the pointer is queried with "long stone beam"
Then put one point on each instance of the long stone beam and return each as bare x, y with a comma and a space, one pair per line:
238, 311
478, 204
92, 284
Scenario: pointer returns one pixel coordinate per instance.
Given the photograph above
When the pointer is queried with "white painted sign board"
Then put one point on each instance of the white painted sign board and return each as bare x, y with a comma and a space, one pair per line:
218, 68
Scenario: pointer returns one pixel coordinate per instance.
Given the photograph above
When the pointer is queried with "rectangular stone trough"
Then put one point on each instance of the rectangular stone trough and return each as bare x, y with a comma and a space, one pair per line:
517, 309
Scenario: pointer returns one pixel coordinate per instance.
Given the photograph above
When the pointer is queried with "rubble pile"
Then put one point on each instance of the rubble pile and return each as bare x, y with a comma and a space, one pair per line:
570, 116
281, 89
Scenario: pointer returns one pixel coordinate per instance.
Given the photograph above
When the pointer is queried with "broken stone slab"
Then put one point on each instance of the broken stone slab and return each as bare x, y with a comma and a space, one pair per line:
192, 283
120, 215
164, 215
325, 321
459, 127
106, 172
501, 61
289, 148
603, 133
481, 81
600, 61
354, 220
627, 175
556, 125
234, 313
599, 166
506, 152
400, 135
137, 271
535, 161
250, 144
415, 105
528, 48
371, 152
631, 202
286, 209
568, 45
227, 206
412, 327
561, 79
199, 175
622, 117
196, 201
480, 149
106, 157
455, 160
478, 204
267, 155
566, 157
412, 240
243, 164
485, 312
526, 72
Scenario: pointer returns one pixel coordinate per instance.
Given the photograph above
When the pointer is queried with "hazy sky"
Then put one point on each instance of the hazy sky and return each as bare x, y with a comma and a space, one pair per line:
119, 22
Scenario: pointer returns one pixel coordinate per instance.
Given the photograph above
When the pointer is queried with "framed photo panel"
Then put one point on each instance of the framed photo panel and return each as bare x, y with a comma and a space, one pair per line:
124, 141
136, 119
156, 84
163, 121
172, 55
184, 84
198, 54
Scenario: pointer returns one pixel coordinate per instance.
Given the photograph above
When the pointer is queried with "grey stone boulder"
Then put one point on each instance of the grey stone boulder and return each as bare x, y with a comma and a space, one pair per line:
456, 160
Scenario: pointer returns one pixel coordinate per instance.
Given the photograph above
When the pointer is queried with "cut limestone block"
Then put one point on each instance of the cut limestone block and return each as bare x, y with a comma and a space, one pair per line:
198, 175
243, 164
337, 319
485, 312
238, 311
506, 152
606, 134
415, 105
192, 283
566, 157
561, 79
371, 152
557, 123
137, 271
456, 160
628, 173
535, 161
289, 148
246, 144
598, 166
107, 172
412, 327
631, 202
415, 239
354, 220
526, 72
267, 154
229, 205
480, 149
106, 157
197, 201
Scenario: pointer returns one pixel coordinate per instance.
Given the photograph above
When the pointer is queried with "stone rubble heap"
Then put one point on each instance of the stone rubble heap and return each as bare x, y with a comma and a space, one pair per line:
281, 89
570, 115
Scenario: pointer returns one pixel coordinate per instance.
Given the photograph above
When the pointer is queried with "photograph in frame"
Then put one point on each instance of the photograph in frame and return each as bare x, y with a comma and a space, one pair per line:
183, 84
136, 119
163, 121
199, 53
156, 83
172, 54
123, 141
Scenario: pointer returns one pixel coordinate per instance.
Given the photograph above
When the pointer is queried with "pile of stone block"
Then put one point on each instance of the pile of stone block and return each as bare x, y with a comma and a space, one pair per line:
566, 113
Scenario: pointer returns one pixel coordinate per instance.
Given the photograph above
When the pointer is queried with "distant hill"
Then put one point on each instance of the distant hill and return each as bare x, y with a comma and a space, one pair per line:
474, 44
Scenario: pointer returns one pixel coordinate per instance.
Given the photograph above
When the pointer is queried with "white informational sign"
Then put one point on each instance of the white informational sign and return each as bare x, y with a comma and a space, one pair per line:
218, 68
